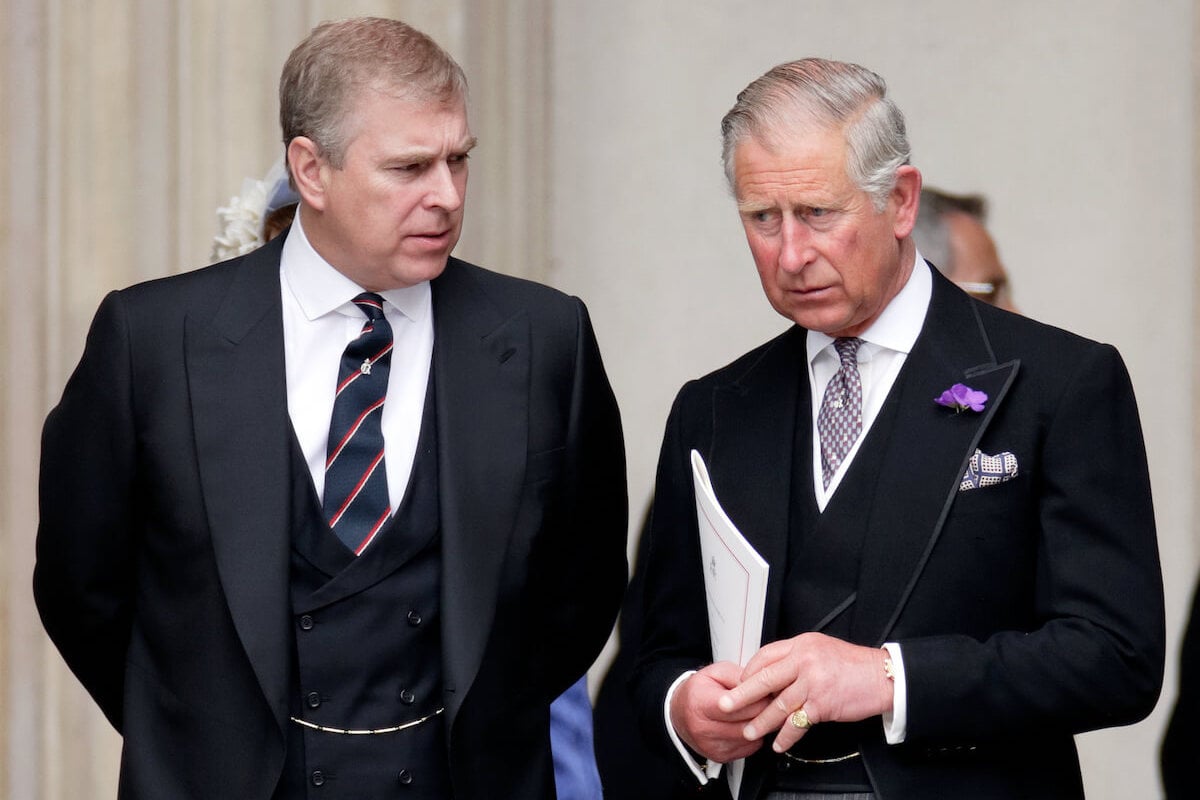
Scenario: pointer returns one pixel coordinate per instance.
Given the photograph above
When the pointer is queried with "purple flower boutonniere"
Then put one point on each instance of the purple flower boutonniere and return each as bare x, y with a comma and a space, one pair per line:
961, 397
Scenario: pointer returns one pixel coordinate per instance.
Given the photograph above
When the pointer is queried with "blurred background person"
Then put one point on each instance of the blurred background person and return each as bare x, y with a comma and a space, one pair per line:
951, 235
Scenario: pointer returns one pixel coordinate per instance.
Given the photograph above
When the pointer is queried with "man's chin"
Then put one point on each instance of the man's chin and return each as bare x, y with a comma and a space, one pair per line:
831, 324
425, 269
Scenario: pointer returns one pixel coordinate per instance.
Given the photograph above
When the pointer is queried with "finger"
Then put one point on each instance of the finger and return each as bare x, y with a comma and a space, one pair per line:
762, 683
767, 654
791, 732
776, 713
729, 746
725, 673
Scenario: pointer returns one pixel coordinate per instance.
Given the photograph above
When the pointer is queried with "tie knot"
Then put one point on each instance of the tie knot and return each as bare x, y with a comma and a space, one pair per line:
847, 350
370, 304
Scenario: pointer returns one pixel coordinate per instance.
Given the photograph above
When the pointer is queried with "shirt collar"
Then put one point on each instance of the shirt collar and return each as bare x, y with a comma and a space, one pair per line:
319, 288
900, 322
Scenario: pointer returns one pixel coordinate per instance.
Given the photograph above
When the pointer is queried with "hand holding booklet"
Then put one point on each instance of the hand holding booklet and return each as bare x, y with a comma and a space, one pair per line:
735, 588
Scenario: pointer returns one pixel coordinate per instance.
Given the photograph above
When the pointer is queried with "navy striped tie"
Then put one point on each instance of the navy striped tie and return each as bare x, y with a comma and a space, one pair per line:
356, 503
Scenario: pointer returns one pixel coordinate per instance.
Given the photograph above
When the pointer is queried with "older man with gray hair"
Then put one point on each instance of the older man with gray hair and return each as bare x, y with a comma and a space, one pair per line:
953, 501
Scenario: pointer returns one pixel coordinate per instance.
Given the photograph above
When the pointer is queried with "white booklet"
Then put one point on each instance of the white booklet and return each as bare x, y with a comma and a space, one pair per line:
735, 586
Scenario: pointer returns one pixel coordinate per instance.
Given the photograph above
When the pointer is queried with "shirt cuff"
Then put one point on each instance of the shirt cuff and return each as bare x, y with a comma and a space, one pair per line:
702, 772
895, 722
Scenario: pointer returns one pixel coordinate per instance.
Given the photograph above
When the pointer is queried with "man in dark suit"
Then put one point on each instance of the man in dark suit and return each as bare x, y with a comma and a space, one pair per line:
953, 500
268, 605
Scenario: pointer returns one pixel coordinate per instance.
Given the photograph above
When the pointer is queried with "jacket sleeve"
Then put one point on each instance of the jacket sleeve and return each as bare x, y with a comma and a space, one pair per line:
589, 572
675, 624
83, 578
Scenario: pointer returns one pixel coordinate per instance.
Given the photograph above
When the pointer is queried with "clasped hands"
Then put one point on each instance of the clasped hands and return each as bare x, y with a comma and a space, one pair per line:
724, 711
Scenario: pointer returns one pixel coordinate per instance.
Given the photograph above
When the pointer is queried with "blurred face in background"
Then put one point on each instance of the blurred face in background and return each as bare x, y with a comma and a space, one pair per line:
977, 267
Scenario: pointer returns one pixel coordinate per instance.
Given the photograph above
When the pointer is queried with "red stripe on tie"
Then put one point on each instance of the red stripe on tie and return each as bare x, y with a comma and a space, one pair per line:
357, 490
350, 433
366, 301
376, 528
358, 373
381, 353
351, 378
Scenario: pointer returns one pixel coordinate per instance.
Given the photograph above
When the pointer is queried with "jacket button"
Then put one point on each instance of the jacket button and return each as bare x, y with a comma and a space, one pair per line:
405, 777
313, 699
306, 623
407, 697
318, 778
414, 618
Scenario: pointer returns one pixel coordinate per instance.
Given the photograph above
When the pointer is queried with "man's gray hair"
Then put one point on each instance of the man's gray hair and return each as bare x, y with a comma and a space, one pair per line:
828, 95
931, 233
326, 73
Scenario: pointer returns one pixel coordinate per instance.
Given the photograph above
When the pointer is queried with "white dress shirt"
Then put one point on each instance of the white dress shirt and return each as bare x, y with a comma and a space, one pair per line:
886, 345
319, 320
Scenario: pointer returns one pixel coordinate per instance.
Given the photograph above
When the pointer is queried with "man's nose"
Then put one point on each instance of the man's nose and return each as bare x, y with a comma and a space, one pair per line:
795, 245
443, 190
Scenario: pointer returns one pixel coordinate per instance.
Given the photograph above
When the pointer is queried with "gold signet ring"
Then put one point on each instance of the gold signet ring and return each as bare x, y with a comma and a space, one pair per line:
800, 719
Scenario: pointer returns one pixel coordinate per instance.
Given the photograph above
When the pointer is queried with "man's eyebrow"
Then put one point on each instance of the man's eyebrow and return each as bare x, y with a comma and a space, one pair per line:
417, 154
752, 206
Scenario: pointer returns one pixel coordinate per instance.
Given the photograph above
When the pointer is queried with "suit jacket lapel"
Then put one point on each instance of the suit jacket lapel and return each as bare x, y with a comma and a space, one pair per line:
927, 455
752, 453
235, 367
481, 367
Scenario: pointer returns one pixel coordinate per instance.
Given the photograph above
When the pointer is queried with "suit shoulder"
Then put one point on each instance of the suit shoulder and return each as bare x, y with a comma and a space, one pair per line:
510, 294
502, 284
201, 291
1037, 343
785, 351
735, 372
195, 281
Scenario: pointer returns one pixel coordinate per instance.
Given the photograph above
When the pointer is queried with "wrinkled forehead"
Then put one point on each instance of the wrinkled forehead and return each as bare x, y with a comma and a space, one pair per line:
794, 144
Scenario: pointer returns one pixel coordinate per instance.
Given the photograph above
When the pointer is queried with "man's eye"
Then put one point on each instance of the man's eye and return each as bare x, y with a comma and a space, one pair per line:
818, 212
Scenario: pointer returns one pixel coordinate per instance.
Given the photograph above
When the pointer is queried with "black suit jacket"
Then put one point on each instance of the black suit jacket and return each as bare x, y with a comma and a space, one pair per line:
1181, 742
162, 551
1026, 611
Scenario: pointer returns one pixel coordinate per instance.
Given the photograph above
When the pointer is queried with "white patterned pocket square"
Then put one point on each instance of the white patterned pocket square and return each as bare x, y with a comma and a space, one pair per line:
984, 470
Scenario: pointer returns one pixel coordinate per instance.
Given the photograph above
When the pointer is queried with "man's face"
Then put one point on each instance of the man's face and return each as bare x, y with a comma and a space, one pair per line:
976, 262
827, 259
391, 214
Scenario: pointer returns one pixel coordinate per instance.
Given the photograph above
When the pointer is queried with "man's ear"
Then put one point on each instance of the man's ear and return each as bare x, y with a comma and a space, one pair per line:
308, 171
906, 199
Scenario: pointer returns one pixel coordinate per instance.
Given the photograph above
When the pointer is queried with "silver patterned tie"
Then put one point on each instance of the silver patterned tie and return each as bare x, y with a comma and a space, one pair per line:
840, 420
